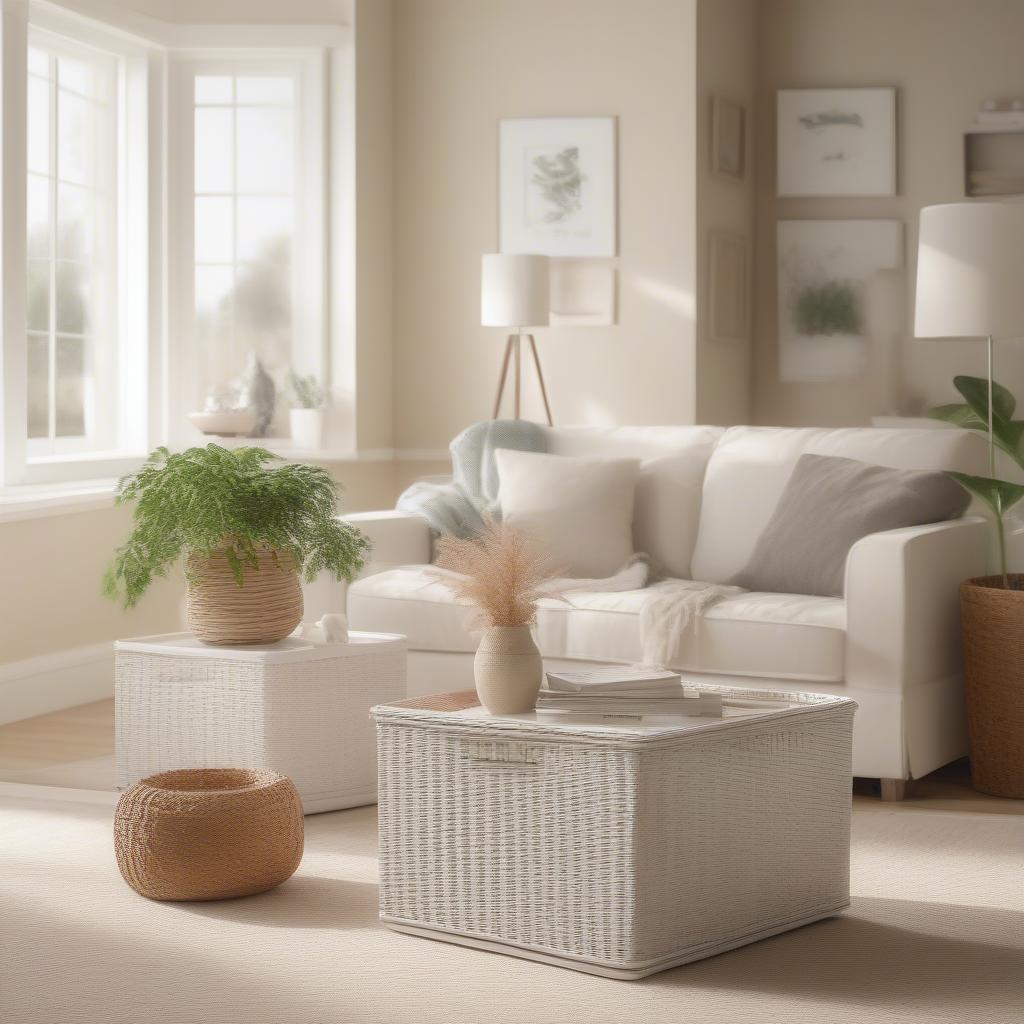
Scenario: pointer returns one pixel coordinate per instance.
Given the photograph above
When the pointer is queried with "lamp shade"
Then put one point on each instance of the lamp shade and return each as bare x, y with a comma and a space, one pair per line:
970, 271
514, 290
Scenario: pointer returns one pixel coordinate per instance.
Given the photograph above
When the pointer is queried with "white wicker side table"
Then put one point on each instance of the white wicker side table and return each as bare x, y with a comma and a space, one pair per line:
295, 707
615, 849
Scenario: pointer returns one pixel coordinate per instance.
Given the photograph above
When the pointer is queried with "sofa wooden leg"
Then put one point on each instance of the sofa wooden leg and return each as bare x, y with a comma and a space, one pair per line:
893, 789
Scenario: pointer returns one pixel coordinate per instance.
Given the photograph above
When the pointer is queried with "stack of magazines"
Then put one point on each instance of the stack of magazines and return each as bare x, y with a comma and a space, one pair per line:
621, 690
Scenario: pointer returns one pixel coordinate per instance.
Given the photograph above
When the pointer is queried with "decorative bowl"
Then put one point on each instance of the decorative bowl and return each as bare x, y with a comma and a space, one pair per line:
228, 423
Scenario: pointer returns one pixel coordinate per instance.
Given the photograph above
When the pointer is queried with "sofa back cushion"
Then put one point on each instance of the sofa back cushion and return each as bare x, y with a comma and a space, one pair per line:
750, 467
668, 491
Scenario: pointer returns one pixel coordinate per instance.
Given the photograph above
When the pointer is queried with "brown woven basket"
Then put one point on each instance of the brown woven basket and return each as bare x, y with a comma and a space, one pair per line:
208, 833
993, 624
265, 609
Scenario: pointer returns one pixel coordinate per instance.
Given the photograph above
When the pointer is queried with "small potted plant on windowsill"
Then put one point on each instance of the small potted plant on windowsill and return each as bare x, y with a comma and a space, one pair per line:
992, 607
247, 531
307, 416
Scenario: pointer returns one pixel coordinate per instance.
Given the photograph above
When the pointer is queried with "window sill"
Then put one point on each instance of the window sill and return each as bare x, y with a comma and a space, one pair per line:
37, 501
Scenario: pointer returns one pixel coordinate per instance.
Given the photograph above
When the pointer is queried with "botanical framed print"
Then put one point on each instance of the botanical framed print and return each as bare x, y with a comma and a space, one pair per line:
836, 142
728, 139
557, 186
825, 269
728, 286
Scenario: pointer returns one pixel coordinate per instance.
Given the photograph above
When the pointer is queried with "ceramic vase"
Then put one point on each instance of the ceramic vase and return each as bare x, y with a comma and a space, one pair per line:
508, 670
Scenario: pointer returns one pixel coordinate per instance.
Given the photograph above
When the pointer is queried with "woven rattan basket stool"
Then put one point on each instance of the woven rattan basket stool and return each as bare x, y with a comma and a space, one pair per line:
208, 833
616, 849
294, 707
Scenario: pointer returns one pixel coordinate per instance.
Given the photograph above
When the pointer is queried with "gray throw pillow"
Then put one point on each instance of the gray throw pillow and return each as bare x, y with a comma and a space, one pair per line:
828, 505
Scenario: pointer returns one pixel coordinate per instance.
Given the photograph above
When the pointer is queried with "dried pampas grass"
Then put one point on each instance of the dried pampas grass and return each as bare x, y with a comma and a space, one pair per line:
501, 571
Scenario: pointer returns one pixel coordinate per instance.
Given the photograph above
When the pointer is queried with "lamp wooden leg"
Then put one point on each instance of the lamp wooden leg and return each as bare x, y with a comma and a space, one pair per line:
518, 374
540, 380
502, 377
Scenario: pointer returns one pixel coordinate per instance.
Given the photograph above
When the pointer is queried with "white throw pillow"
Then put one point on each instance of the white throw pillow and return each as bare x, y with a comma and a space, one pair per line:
580, 509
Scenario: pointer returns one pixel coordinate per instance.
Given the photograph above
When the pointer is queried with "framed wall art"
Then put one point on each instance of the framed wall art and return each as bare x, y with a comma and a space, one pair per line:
824, 271
728, 139
557, 186
836, 142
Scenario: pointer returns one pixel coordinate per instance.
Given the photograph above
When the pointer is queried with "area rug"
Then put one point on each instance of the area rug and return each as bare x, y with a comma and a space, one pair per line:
935, 934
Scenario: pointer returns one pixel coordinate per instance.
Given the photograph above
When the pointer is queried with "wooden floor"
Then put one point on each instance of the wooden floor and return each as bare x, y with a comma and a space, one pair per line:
88, 731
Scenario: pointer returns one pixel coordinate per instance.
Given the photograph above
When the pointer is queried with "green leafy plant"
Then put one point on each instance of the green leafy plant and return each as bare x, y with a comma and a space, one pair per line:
207, 499
307, 391
1007, 434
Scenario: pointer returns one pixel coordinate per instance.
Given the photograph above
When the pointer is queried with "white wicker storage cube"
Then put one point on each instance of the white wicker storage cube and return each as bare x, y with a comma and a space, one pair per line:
298, 708
617, 849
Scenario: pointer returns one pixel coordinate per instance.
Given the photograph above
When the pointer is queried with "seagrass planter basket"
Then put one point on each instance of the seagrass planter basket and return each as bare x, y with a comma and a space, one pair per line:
264, 609
208, 833
993, 627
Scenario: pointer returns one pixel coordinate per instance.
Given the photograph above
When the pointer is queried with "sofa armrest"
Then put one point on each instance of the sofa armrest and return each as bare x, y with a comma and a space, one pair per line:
903, 603
396, 538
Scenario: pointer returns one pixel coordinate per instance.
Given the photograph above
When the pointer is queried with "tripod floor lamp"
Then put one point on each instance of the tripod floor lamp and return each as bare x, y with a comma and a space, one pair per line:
514, 292
970, 281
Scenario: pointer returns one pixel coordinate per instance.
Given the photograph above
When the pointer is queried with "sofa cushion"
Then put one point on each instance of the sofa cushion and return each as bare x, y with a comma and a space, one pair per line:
581, 510
828, 505
780, 636
750, 466
668, 493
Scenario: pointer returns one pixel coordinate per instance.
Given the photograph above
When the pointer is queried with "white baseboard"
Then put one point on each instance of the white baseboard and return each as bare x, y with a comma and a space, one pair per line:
51, 682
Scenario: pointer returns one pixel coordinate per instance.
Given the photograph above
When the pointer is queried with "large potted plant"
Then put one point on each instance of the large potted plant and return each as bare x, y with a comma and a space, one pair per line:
247, 530
992, 607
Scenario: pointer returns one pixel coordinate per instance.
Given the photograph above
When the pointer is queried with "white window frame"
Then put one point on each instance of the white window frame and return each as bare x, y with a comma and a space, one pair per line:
309, 268
138, 344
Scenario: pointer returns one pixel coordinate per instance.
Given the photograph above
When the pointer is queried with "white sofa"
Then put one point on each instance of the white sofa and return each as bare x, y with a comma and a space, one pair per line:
892, 643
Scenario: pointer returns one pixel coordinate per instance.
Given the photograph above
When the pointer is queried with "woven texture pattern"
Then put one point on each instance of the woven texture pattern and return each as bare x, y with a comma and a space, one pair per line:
265, 609
308, 720
993, 623
615, 851
208, 834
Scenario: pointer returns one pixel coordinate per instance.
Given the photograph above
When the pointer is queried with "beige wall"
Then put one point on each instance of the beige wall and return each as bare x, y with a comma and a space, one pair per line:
944, 57
460, 66
726, 68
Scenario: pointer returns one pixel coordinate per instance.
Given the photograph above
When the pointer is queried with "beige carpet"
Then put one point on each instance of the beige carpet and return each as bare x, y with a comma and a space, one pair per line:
936, 933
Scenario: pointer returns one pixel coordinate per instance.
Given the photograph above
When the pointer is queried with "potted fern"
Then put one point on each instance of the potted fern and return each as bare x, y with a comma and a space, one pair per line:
306, 416
992, 607
246, 530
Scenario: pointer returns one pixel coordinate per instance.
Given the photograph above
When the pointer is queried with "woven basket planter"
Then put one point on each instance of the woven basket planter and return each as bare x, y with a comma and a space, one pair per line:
265, 609
208, 833
993, 624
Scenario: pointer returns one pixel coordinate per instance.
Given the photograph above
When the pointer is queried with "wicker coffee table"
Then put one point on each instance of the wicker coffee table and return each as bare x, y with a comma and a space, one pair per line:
616, 847
297, 708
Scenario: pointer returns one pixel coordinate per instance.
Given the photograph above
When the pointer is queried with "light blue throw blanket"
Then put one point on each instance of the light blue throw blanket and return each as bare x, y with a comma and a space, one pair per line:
458, 509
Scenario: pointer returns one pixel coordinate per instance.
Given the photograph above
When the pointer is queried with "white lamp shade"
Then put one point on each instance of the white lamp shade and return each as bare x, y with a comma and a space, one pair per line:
514, 290
970, 271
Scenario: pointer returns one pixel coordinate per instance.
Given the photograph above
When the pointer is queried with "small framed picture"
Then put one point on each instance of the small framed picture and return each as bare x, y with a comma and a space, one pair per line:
728, 286
557, 186
728, 139
836, 142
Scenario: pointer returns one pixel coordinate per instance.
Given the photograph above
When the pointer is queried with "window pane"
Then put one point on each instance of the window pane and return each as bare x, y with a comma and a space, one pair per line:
263, 314
266, 153
213, 88
38, 385
37, 312
75, 138
76, 75
38, 216
72, 306
213, 296
70, 387
214, 150
264, 89
38, 125
38, 62
74, 222
264, 229
215, 242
